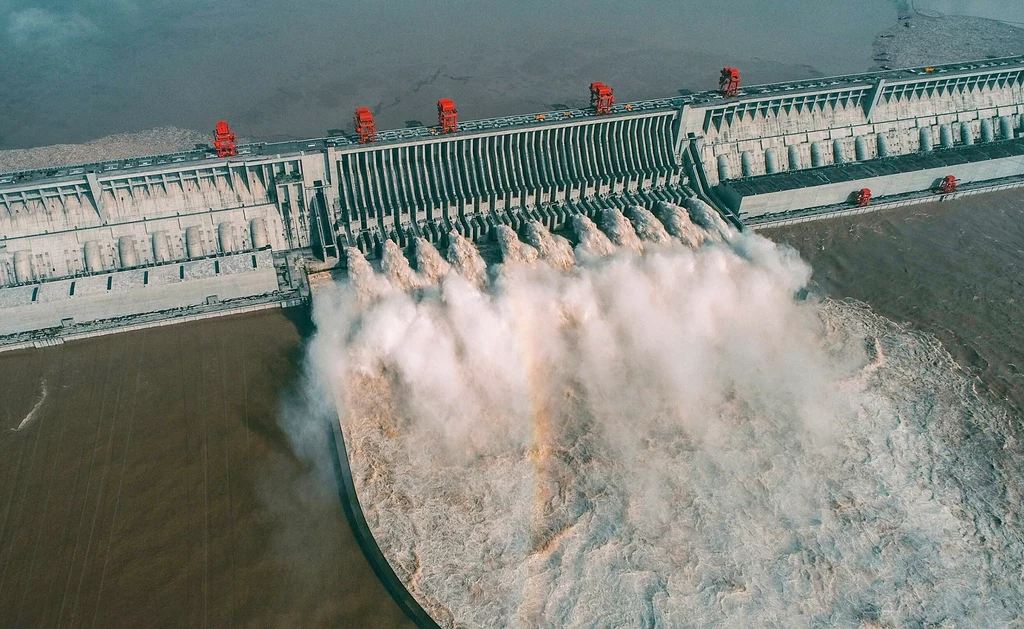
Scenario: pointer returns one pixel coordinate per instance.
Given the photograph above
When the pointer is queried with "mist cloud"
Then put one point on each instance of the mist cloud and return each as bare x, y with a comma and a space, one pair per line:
667, 439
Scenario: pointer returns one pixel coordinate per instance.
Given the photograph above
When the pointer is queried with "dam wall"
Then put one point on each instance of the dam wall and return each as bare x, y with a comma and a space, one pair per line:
811, 124
756, 155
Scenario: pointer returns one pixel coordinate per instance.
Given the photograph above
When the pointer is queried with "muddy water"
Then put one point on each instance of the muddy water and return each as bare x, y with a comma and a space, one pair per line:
150, 485
77, 71
954, 269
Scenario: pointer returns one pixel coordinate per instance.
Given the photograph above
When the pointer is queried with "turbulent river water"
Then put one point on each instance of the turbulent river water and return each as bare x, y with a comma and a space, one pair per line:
641, 433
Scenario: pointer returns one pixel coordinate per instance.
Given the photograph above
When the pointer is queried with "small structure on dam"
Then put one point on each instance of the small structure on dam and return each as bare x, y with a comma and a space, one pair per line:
235, 222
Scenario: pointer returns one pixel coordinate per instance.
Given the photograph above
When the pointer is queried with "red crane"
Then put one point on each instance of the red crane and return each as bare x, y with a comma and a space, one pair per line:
447, 116
948, 184
224, 140
863, 197
366, 128
729, 83
601, 98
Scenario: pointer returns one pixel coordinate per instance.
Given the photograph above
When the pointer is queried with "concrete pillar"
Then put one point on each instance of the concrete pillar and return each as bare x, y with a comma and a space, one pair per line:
986, 130
966, 136
883, 145
260, 237
925, 134
1005, 128
226, 238
860, 149
23, 267
723, 167
126, 251
747, 164
945, 136
161, 247
93, 258
838, 152
194, 246
771, 161
816, 158
794, 157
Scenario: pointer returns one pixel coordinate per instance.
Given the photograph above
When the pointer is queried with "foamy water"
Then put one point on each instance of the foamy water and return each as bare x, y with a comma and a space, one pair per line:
671, 440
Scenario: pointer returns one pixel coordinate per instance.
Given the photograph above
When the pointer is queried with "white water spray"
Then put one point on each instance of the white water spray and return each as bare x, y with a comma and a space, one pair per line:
703, 215
553, 249
27, 420
429, 263
466, 260
648, 228
397, 269
620, 231
677, 223
593, 243
513, 250
673, 440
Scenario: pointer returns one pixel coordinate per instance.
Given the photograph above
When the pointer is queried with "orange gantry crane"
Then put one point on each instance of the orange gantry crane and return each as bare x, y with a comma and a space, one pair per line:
948, 184
224, 140
729, 82
447, 116
601, 98
366, 128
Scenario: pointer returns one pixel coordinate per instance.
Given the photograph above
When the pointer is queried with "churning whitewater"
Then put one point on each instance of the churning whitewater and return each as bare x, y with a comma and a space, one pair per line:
664, 432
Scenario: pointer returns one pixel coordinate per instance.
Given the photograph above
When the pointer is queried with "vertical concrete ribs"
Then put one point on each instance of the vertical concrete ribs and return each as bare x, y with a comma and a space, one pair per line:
392, 191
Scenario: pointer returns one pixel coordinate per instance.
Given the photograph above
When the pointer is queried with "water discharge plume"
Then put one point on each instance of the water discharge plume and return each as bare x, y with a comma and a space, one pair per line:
620, 230
513, 250
553, 249
397, 269
466, 259
703, 215
429, 263
593, 243
673, 440
367, 285
677, 223
647, 226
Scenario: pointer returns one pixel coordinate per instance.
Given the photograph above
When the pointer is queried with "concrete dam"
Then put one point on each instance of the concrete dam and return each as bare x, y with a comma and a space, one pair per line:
98, 247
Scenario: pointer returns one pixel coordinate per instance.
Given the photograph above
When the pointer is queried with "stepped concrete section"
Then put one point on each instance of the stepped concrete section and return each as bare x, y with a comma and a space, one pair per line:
168, 287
